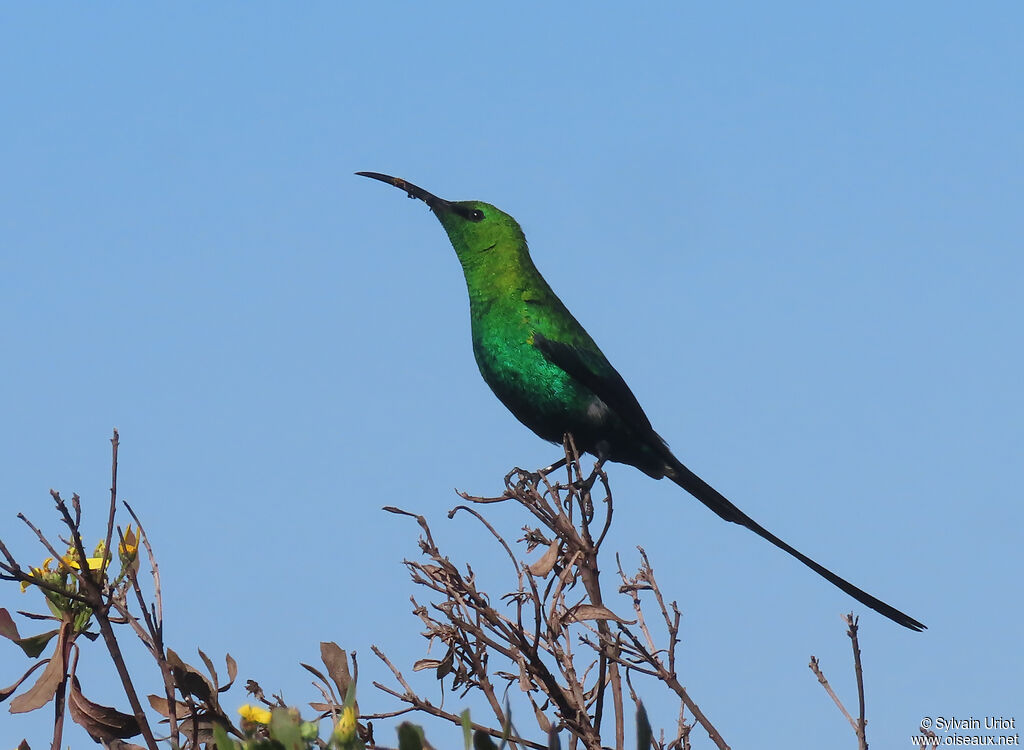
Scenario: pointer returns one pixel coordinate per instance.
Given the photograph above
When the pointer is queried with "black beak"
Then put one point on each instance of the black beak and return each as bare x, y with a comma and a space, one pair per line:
414, 191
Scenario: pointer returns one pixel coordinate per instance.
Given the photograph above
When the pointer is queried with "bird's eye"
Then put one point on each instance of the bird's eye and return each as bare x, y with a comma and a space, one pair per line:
469, 214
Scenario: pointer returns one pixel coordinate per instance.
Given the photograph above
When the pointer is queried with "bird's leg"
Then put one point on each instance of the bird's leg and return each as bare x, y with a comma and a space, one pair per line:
583, 486
553, 467
601, 451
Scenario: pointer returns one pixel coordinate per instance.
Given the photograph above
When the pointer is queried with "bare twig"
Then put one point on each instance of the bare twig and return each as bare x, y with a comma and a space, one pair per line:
859, 724
543, 660
114, 443
861, 728
831, 693
420, 704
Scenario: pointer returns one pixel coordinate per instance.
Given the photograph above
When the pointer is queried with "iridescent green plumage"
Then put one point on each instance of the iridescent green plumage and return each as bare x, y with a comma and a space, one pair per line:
549, 373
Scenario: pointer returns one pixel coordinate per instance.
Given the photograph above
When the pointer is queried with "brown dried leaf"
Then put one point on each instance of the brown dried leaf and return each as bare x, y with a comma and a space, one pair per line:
314, 671
525, 684
336, 660
7, 692
446, 665
583, 612
209, 666
542, 720
34, 616
162, 706
187, 678
422, 664
7, 627
103, 723
205, 726
546, 562
232, 672
40, 694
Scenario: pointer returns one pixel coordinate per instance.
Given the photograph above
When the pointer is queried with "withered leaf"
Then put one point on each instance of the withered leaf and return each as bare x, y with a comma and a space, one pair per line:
34, 616
336, 660
422, 664
525, 684
7, 692
209, 666
162, 706
187, 678
583, 612
313, 671
204, 725
40, 694
546, 562
232, 672
542, 720
7, 627
103, 723
446, 665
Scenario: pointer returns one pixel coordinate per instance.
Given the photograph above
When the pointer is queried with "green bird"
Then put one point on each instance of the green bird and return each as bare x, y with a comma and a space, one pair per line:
547, 370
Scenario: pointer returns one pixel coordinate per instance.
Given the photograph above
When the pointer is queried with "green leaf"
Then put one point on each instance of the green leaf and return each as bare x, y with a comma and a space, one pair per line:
553, 742
506, 728
643, 728
350, 695
57, 612
410, 736
467, 729
483, 741
35, 644
284, 727
220, 736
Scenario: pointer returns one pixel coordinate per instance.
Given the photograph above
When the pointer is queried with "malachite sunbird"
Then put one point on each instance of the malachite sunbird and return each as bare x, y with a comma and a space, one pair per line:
549, 373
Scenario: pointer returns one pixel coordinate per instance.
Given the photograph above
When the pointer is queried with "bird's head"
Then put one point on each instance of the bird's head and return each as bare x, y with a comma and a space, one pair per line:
481, 234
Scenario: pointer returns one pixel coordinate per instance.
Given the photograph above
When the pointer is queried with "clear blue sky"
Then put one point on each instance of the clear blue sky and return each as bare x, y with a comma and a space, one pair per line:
795, 230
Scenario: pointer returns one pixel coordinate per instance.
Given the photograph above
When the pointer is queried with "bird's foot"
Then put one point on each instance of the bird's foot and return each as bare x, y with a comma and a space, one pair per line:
540, 476
583, 486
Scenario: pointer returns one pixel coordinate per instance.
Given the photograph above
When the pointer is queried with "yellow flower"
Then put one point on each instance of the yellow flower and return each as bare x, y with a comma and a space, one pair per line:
128, 548
345, 729
255, 714
39, 572
92, 563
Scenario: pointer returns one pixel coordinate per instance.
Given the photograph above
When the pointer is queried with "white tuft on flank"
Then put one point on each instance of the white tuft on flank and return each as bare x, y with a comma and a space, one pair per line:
598, 411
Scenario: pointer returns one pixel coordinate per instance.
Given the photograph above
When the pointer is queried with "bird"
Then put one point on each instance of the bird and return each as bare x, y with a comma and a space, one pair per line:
547, 370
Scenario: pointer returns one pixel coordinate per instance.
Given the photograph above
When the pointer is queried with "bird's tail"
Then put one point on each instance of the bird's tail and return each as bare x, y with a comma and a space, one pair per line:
717, 502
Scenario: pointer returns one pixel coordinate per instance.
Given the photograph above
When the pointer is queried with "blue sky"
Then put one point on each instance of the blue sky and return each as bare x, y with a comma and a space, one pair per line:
795, 231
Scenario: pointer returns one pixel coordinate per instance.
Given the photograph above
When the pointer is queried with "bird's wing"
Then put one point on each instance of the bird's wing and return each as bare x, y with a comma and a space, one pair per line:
593, 370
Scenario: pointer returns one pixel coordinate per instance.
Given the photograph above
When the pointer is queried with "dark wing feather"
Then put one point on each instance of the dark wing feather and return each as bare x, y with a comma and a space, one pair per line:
595, 372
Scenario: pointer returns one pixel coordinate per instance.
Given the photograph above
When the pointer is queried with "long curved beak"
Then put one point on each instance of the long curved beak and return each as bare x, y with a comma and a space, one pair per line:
414, 191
